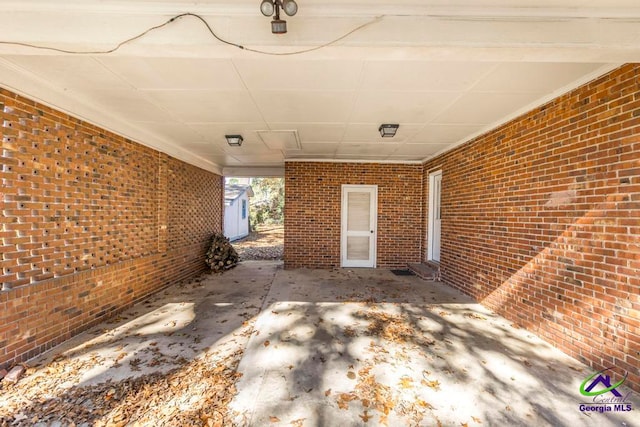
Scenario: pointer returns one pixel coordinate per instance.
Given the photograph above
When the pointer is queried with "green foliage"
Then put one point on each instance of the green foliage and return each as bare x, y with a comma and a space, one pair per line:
267, 204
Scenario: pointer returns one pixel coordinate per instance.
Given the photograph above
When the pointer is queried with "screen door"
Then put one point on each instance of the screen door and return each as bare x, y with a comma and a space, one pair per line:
359, 214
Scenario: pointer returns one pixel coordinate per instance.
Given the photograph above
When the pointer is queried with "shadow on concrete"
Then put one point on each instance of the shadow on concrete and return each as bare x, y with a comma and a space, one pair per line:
149, 362
349, 347
305, 348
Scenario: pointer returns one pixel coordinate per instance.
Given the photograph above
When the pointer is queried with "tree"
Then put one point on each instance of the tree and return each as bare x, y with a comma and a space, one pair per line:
267, 204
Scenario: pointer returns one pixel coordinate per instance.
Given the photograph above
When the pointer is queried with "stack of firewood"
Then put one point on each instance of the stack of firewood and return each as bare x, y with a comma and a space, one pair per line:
221, 255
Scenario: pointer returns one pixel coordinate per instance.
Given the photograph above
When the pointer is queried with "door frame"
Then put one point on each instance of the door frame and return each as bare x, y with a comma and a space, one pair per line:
430, 217
373, 212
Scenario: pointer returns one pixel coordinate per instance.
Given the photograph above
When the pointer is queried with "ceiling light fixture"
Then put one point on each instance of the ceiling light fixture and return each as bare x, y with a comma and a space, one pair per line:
388, 130
234, 140
269, 7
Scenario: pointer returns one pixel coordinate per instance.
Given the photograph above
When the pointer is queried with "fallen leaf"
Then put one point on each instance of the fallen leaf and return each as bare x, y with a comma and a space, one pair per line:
424, 404
476, 419
406, 382
527, 363
365, 417
344, 399
474, 316
274, 419
464, 424
435, 384
351, 375
328, 392
298, 423
266, 343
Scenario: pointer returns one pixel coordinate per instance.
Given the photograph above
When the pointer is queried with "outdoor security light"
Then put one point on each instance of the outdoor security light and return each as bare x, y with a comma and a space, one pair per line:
269, 7
388, 130
290, 7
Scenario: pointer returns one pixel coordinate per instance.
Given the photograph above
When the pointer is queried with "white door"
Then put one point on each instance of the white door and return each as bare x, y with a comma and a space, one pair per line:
358, 236
435, 220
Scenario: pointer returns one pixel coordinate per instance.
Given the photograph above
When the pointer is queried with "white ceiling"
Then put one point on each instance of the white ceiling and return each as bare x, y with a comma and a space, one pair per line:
444, 70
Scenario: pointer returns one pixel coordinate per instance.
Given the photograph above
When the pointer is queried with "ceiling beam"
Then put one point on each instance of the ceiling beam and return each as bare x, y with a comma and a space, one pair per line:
482, 38
611, 9
254, 171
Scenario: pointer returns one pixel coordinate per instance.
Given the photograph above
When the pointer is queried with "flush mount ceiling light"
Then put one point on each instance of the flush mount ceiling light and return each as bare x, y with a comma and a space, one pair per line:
268, 7
388, 130
234, 140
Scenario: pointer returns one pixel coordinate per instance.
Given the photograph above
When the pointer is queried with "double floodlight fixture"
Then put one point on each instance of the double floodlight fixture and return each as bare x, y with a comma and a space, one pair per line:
269, 7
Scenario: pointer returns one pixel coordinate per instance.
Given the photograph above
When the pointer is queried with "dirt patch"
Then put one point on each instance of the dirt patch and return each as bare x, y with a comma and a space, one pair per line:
267, 243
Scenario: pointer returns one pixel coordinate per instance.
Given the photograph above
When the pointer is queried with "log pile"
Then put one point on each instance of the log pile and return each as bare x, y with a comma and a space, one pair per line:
221, 255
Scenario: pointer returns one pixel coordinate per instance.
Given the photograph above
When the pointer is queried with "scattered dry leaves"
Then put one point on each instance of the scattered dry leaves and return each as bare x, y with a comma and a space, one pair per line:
474, 316
349, 332
158, 398
394, 328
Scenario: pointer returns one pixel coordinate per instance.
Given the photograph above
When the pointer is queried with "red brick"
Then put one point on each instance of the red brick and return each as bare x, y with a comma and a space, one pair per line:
313, 204
591, 241
104, 210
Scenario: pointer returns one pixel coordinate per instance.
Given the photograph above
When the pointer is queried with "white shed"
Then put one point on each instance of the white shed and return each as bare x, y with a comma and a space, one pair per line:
236, 210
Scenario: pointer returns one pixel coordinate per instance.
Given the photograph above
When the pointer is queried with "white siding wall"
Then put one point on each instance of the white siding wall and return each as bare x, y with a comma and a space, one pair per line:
236, 227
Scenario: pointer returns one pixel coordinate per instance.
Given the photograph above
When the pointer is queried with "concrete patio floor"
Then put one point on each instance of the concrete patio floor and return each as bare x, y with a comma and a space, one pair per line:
318, 348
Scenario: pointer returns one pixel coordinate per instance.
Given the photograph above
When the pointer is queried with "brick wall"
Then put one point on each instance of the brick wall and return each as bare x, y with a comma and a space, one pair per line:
313, 203
541, 221
91, 222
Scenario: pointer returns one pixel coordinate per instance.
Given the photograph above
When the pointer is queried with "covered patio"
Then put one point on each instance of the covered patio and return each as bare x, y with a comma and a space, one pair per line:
260, 345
